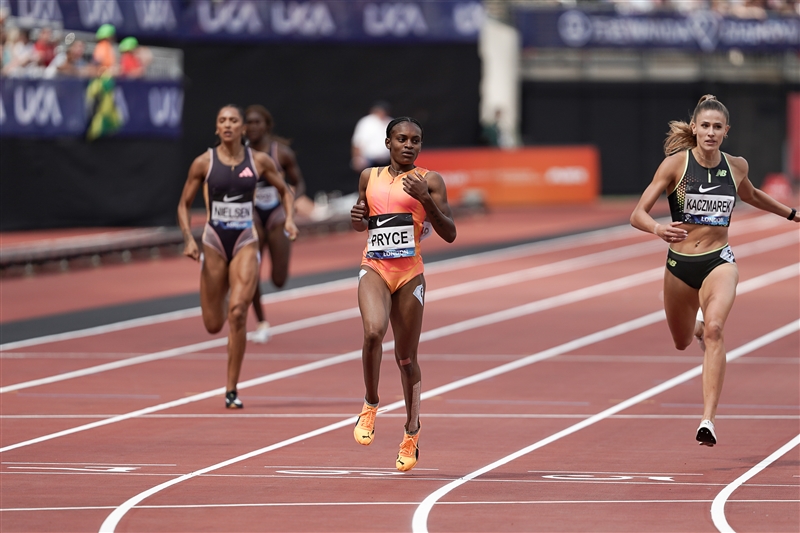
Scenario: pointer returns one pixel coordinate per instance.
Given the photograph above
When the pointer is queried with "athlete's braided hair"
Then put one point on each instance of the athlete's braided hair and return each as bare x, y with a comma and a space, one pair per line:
398, 120
261, 110
680, 136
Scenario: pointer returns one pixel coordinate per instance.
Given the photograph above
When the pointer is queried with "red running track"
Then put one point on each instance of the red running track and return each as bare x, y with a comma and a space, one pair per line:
553, 401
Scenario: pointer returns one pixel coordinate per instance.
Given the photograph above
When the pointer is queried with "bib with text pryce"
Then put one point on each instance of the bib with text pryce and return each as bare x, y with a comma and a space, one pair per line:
391, 235
231, 215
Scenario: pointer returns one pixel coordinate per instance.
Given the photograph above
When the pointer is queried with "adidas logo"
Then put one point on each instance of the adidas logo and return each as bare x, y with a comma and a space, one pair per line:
246, 173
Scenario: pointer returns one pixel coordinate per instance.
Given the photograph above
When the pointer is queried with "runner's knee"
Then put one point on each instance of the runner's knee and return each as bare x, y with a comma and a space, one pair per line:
213, 324
713, 331
237, 314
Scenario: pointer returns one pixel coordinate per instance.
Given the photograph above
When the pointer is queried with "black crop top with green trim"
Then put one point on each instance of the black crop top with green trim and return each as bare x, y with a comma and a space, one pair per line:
704, 196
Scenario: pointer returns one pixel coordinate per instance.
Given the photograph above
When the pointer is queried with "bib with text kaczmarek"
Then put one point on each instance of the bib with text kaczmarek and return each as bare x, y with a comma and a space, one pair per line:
231, 215
391, 235
709, 204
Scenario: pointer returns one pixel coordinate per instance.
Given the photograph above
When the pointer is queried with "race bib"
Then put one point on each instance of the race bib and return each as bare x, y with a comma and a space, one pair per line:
266, 197
708, 209
727, 254
391, 236
230, 215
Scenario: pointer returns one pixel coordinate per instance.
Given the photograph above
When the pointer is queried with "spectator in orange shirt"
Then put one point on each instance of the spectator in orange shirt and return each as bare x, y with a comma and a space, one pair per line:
104, 56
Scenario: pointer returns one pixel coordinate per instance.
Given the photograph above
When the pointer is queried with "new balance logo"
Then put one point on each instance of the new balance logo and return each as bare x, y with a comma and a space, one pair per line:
722, 173
246, 173
97, 12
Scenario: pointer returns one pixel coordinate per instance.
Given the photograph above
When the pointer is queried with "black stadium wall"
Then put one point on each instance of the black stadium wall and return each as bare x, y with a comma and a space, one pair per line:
628, 123
316, 94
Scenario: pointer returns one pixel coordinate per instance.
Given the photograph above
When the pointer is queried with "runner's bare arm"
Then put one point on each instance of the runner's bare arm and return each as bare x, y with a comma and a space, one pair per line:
359, 213
194, 181
665, 179
431, 192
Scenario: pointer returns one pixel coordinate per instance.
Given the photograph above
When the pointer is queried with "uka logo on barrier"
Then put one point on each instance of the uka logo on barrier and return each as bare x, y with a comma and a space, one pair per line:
308, 18
231, 17
166, 106
121, 103
155, 15
37, 104
40, 10
468, 17
398, 20
97, 12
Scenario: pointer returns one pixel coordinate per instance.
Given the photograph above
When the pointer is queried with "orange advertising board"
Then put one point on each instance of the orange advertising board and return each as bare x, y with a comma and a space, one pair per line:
522, 176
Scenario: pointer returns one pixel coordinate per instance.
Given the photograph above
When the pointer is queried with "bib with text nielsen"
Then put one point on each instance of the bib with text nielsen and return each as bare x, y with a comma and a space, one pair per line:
230, 215
391, 235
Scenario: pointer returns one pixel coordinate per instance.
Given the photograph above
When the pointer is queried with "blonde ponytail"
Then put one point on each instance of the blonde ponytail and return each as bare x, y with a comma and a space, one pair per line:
680, 136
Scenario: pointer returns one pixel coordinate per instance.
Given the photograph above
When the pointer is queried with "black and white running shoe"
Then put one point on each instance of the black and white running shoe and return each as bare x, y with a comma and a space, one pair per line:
232, 400
705, 433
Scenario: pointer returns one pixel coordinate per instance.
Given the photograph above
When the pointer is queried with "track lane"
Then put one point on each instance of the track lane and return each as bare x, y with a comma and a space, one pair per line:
300, 452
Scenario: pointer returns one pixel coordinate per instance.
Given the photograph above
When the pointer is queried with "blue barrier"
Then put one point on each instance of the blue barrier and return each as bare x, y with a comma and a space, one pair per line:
265, 20
700, 30
55, 108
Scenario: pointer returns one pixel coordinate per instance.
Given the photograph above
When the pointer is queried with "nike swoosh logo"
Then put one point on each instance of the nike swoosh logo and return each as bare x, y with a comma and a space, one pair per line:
380, 223
232, 198
701, 189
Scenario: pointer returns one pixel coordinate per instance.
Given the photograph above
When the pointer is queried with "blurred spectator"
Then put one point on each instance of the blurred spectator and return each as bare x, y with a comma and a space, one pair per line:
368, 142
133, 58
18, 52
45, 47
104, 56
71, 62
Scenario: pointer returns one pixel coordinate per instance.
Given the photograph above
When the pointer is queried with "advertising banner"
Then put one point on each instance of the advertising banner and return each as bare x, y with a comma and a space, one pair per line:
700, 30
524, 176
58, 108
264, 20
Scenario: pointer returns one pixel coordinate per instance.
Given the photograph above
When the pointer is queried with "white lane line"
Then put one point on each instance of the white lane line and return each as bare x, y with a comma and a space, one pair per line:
469, 287
110, 523
551, 245
368, 504
399, 415
718, 506
460, 289
459, 327
419, 523
757, 223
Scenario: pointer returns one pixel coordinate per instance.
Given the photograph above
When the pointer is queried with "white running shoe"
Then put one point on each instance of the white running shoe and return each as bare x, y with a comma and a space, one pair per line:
705, 433
262, 334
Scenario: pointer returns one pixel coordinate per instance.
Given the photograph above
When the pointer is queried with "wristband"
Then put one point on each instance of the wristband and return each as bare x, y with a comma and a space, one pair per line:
792, 214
